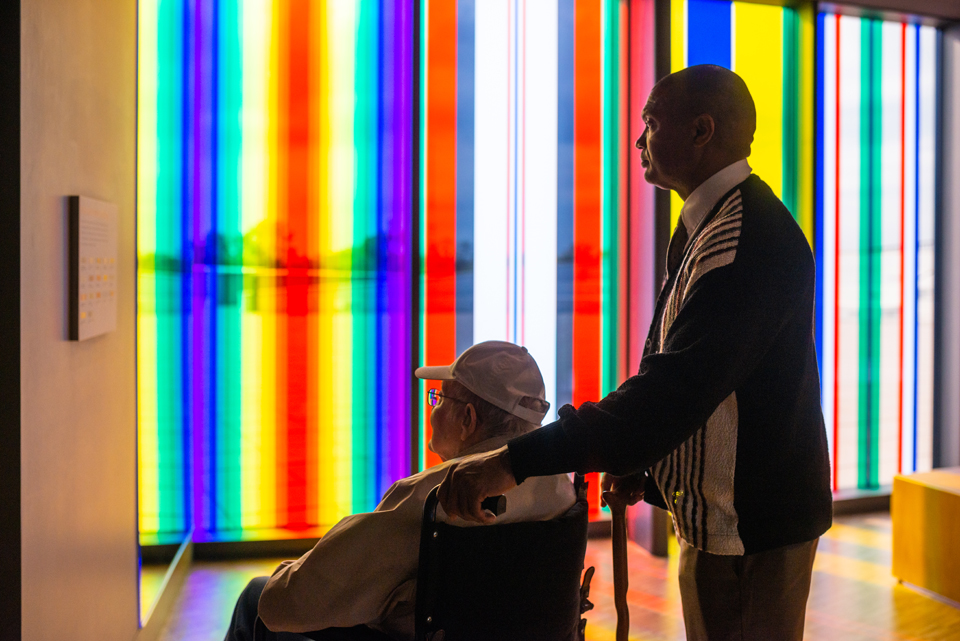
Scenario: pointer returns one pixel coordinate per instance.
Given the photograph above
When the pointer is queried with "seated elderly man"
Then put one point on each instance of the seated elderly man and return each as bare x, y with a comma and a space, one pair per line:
359, 581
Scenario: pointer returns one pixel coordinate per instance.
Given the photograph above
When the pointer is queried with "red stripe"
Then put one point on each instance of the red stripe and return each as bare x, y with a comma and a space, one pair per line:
588, 71
903, 160
441, 215
297, 257
836, 283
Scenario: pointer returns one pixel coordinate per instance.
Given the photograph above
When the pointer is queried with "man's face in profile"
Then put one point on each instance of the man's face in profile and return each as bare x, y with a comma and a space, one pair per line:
445, 422
666, 144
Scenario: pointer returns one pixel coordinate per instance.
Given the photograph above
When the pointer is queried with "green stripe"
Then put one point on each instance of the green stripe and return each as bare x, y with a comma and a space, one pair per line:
870, 248
611, 350
229, 252
791, 85
365, 132
171, 446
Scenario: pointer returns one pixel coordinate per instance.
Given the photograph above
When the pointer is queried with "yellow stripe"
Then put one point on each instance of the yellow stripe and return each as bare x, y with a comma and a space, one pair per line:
256, 17
147, 428
147, 126
759, 61
267, 294
148, 477
678, 35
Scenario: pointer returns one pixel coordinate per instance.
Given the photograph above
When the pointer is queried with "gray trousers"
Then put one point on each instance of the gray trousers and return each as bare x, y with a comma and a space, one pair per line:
744, 598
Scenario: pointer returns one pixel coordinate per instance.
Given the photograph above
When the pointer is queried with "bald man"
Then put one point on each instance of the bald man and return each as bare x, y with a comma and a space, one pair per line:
722, 424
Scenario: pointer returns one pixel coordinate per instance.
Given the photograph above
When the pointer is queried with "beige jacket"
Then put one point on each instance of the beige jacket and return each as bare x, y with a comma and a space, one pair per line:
364, 570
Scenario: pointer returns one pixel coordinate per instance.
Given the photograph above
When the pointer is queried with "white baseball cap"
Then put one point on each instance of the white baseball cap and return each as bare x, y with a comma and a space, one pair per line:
498, 372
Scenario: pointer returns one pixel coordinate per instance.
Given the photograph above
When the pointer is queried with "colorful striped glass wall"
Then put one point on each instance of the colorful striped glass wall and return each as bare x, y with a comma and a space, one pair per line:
876, 104
772, 49
524, 216
274, 238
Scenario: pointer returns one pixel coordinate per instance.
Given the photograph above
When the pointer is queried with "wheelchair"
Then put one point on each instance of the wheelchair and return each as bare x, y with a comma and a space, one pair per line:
512, 582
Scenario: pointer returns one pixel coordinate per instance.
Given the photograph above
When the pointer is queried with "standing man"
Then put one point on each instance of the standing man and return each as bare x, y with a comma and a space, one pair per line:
722, 424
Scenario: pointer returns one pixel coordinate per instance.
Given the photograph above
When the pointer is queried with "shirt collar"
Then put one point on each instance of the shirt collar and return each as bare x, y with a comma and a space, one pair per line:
701, 201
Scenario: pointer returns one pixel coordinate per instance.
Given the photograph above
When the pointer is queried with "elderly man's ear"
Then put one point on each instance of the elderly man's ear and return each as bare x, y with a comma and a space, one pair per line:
468, 422
704, 129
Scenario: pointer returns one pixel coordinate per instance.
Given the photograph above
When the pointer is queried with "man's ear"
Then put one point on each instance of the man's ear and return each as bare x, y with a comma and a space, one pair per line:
704, 129
468, 423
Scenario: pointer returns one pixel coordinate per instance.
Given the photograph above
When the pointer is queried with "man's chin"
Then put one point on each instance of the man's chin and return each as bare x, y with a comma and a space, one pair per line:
650, 175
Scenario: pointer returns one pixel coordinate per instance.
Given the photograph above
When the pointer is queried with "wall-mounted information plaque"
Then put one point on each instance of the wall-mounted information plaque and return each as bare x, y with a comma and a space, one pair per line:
93, 267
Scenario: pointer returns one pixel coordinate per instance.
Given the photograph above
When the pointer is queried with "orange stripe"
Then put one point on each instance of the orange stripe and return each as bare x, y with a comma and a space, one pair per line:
587, 187
441, 174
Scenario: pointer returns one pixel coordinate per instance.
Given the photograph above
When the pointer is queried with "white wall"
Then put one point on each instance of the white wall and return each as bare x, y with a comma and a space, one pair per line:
949, 331
78, 448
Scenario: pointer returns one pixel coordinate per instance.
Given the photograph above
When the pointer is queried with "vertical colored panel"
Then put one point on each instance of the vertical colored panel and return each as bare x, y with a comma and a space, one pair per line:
440, 140
545, 238
274, 251
708, 33
760, 62
466, 29
871, 103
565, 155
587, 212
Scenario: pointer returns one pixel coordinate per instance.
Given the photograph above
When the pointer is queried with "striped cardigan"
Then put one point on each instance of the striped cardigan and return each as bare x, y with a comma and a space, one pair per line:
723, 416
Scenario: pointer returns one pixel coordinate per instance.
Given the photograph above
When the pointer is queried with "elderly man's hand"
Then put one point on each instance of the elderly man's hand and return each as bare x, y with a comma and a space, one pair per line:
472, 479
628, 488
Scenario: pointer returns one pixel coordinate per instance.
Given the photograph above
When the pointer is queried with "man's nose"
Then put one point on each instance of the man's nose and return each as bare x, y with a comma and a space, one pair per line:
641, 141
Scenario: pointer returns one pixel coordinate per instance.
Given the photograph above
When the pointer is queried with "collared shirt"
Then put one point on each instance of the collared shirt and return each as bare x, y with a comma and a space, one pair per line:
364, 570
699, 203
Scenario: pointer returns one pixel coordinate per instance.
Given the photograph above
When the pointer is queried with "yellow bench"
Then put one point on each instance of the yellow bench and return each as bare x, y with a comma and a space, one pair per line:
925, 511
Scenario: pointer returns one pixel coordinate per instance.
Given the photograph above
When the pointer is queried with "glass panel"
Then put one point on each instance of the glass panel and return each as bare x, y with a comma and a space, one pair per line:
275, 231
875, 245
524, 182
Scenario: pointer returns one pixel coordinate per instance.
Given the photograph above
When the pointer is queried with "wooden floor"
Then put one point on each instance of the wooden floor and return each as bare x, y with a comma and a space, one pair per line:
853, 596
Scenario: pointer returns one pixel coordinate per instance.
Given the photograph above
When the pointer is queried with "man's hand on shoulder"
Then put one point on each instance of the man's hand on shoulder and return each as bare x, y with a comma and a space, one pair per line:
472, 479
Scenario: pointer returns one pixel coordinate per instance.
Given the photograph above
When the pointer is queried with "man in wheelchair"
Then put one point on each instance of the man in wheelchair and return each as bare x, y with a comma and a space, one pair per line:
359, 581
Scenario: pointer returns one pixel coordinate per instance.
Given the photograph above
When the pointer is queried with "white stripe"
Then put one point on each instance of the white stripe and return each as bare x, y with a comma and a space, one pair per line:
849, 267
890, 182
540, 199
829, 217
490, 172
909, 250
926, 149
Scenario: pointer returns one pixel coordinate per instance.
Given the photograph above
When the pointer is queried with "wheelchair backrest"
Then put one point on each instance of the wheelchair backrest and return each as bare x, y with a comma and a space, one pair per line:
519, 581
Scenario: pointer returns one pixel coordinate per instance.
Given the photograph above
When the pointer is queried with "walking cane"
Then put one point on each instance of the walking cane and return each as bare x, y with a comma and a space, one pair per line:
618, 508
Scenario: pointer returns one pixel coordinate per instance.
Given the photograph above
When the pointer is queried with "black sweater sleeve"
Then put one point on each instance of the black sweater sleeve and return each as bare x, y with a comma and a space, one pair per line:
727, 323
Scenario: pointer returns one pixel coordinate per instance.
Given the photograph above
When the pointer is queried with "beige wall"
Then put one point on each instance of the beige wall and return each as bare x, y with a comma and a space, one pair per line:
78, 118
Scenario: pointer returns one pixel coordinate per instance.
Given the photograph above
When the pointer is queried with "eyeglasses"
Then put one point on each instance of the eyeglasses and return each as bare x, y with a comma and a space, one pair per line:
434, 396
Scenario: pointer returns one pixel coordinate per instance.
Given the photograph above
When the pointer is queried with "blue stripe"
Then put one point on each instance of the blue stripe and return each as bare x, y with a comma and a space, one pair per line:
382, 321
212, 417
819, 222
708, 32
565, 151
466, 51
186, 251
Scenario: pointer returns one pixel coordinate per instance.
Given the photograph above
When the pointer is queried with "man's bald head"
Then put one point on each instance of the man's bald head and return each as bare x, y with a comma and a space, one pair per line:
717, 91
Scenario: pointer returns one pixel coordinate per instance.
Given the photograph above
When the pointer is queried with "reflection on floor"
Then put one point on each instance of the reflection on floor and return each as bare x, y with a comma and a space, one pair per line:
853, 595
151, 578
